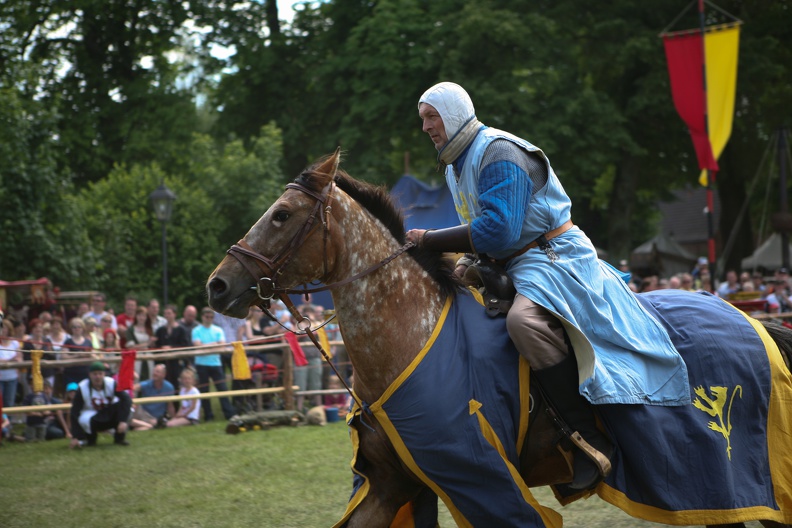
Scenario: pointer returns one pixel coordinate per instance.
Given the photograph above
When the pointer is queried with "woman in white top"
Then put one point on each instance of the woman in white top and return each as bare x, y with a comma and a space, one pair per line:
189, 410
140, 336
9, 352
57, 336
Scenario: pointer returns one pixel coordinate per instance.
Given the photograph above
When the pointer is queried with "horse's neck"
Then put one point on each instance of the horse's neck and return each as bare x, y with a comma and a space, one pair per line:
385, 317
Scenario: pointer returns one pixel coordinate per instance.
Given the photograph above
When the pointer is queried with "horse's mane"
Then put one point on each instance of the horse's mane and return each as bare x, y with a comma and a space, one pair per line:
376, 200
782, 335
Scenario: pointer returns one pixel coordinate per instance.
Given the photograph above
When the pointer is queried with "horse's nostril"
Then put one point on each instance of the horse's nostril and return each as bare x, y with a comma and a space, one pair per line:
217, 286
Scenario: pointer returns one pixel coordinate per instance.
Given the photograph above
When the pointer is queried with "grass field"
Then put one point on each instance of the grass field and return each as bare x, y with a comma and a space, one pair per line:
201, 477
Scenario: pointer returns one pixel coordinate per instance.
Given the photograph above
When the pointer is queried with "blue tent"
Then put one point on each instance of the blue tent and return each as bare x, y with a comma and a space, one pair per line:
425, 206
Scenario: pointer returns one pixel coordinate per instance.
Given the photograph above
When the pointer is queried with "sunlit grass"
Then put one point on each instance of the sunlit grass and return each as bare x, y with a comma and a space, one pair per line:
201, 477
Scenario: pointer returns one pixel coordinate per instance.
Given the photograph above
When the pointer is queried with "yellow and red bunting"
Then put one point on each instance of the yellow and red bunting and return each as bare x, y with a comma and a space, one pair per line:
707, 109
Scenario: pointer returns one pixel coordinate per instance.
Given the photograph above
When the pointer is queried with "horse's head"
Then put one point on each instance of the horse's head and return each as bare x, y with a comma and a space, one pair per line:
291, 244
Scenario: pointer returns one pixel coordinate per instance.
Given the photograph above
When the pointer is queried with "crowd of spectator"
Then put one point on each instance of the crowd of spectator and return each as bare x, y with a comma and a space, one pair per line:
772, 293
94, 331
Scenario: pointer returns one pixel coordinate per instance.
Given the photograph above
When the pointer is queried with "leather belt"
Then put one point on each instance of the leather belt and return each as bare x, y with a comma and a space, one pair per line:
566, 226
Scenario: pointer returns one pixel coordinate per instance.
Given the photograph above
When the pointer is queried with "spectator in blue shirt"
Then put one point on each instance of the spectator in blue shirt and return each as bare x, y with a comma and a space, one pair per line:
156, 413
210, 366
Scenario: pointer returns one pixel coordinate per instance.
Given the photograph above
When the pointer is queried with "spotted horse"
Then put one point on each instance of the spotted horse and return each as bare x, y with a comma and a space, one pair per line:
443, 403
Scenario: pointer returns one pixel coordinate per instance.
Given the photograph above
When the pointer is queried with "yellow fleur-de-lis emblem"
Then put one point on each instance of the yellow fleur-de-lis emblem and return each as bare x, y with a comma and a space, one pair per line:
463, 208
714, 407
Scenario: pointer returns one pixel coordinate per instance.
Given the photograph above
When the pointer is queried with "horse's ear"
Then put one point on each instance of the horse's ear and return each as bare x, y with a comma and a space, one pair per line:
330, 165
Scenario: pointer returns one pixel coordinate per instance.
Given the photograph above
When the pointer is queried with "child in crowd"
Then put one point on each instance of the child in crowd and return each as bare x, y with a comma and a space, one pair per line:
42, 425
110, 340
339, 400
7, 433
189, 410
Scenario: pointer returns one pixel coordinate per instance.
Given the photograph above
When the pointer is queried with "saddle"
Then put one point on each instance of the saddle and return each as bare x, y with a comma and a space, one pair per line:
557, 440
494, 284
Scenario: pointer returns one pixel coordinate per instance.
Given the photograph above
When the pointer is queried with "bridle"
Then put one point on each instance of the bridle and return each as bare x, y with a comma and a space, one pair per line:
267, 271
271, 269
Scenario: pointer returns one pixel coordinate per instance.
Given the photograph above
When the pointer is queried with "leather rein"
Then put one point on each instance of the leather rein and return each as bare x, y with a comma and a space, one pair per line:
267, 271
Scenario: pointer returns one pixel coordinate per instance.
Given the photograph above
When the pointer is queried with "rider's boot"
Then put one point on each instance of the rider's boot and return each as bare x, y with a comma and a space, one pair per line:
559, 383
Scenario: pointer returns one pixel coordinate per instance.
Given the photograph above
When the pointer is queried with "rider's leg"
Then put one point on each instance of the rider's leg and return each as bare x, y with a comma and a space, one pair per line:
539, 337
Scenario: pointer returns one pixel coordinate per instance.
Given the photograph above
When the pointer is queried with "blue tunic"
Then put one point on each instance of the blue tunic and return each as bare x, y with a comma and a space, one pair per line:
624, 354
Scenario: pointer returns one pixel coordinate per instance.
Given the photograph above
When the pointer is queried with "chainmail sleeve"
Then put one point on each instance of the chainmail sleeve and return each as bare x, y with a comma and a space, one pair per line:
531, 162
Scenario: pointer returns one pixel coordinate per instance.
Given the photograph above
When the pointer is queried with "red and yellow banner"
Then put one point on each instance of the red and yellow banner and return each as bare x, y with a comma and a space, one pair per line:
708, 110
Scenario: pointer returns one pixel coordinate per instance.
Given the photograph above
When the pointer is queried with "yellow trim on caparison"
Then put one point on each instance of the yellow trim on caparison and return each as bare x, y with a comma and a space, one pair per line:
415, 362
778, 429
407, 459
550, 517
390, 430
361, 493
779, 422
685, 517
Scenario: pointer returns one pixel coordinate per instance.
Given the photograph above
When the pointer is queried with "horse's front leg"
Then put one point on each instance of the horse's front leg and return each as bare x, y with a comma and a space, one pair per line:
373, 512
391, 486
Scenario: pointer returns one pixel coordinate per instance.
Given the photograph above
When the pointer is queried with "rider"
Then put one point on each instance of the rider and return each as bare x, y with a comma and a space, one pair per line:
514, 209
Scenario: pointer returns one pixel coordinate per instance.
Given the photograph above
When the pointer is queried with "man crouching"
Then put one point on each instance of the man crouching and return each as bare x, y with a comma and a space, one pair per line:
97, 406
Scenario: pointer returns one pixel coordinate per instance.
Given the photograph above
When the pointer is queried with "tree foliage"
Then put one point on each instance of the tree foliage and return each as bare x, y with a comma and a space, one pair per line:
101, 100
221, 195
39, 218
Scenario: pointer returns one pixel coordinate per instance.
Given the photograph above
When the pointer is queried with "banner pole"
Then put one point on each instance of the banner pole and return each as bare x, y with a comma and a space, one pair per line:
710, 177
782, 192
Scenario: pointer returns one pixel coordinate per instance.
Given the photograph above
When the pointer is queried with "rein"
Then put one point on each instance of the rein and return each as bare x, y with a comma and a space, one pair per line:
270, 269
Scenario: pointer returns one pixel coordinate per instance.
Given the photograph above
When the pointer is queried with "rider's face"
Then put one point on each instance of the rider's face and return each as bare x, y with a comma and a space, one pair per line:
433, 125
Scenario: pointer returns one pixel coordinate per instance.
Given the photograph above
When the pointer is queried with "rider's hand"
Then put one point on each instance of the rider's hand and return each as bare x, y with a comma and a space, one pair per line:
460, 270
415, 236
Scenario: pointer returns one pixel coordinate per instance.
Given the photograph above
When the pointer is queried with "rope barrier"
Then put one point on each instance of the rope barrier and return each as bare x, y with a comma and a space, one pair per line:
154, 399
259, 344
150, 355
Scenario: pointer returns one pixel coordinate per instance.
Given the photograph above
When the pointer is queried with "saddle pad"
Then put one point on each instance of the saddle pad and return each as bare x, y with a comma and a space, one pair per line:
726, 457
454, 418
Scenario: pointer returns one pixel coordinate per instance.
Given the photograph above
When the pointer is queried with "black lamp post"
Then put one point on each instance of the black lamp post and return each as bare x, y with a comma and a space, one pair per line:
162, 201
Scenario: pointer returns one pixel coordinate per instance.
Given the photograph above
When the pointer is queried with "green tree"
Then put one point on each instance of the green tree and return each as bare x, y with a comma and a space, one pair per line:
218, 199
126, 238
110, 68
243, 182
105, 92
41, 224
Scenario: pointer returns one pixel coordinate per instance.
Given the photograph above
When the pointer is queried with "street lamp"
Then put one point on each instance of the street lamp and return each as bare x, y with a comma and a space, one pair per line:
162, 201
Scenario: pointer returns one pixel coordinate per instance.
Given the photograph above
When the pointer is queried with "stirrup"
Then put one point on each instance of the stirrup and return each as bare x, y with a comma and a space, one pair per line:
600, 459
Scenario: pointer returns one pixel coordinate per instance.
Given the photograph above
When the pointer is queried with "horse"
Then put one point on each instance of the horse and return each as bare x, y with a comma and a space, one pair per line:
389, 297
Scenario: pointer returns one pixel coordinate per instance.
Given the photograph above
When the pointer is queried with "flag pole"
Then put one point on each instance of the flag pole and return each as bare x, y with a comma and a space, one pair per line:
783, 194
710, 177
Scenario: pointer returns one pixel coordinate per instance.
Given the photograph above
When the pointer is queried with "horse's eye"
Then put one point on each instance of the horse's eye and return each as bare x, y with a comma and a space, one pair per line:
281, 216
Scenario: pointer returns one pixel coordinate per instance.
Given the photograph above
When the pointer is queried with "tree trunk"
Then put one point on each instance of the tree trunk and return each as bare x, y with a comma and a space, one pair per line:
273, 24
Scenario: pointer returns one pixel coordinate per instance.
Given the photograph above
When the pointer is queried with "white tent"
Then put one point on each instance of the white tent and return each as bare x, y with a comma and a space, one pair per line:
767, 256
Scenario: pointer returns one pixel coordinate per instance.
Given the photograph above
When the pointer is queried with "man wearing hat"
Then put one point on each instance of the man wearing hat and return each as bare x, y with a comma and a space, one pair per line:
514, 209
97, 406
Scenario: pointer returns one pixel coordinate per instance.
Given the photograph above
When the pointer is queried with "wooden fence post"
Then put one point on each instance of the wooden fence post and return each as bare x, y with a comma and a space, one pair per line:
288, 378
